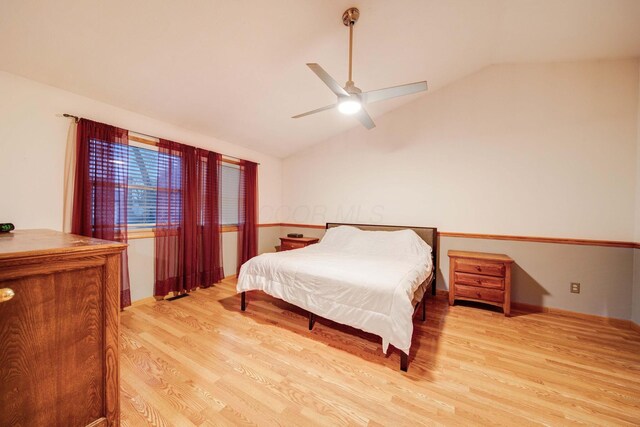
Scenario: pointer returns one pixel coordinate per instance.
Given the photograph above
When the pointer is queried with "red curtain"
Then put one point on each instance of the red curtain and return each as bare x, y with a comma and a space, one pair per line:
247, 212
210, 267
188, 234
100, 194
169, 232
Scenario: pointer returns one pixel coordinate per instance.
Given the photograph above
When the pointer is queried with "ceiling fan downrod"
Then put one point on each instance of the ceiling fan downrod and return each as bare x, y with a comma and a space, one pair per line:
350, 99
349, 18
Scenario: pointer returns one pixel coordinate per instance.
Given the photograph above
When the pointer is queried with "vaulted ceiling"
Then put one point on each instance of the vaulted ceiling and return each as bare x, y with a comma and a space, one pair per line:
235, 69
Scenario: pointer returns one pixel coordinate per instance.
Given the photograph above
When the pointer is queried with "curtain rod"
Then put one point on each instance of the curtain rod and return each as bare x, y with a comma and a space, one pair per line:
77, 119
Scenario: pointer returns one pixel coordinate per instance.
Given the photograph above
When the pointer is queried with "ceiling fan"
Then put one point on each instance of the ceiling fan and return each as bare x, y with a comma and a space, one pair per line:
351, 99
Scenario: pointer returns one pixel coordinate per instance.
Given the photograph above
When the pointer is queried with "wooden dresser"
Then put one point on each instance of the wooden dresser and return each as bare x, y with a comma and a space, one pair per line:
288, 243
483, 277
59, 314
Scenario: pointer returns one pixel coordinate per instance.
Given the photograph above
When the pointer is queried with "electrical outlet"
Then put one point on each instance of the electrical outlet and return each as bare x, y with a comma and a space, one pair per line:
575, 288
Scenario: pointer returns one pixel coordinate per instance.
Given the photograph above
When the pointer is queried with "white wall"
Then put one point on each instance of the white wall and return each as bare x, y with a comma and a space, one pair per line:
32, 142
534, 149
33, 135
528, 149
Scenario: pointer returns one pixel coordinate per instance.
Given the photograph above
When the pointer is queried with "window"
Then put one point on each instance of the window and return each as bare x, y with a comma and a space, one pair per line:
142, 181
229, 195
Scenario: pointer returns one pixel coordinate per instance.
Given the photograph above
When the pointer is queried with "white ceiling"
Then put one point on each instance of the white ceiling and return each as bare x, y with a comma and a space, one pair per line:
235, 69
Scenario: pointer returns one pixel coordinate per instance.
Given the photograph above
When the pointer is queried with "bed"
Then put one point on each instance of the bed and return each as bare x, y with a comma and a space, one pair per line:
371, 277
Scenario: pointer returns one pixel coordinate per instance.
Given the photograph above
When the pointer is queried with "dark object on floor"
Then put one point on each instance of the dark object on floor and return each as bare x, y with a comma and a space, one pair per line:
6, 227
176, 297
297, 235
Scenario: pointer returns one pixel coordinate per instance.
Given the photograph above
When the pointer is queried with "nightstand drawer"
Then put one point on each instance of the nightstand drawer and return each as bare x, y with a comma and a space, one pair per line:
479, 280
286, 246
477, 293
288, 243
480, 267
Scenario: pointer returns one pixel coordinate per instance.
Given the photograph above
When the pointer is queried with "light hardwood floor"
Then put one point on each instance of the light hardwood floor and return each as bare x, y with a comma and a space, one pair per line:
200, 361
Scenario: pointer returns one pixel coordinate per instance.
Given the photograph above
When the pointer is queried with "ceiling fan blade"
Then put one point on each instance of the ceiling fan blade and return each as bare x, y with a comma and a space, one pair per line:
392, 92
317, 110
365, 119
328, 80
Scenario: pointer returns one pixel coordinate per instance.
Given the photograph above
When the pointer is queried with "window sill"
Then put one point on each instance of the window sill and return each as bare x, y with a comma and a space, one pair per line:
141, 234
150, 234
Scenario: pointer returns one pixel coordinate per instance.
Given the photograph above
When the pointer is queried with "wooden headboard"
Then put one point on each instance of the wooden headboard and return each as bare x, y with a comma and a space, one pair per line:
428, 234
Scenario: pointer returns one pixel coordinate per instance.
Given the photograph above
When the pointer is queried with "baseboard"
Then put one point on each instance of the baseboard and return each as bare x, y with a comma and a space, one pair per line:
142, 301
531, 308
148, 300
517, 306
151, 299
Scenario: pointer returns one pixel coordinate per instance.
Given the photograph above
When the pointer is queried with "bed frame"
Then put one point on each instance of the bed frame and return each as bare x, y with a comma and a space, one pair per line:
428, 234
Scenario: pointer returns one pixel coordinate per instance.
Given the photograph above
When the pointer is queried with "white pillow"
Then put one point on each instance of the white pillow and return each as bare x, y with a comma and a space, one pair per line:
388, 244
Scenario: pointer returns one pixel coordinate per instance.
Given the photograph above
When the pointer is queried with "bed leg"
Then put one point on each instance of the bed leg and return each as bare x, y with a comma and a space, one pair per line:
424, 309
404, 361
243, 302
312, 320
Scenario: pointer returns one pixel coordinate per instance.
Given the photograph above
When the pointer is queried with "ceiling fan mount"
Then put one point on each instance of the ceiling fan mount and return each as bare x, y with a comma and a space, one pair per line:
350, 16
351, 99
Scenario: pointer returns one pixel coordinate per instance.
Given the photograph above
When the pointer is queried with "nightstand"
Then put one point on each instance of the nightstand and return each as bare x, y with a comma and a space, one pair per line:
482, 277
288, 243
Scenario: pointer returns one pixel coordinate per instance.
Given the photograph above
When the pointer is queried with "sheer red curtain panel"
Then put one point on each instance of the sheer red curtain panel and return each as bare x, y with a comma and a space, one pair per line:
188, 238
247, 212
100, 190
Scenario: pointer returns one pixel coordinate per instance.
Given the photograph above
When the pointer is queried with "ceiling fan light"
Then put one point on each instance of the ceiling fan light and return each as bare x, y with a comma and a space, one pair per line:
349, 106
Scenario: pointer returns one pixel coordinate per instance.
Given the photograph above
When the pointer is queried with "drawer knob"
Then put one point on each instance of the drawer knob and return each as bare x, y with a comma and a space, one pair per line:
6, 294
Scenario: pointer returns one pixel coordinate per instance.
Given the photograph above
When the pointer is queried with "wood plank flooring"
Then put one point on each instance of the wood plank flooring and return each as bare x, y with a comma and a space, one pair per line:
200, 361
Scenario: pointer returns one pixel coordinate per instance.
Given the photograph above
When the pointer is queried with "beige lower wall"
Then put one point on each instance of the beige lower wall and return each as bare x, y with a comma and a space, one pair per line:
269, 238
542, 273
141, 258
141, 268
635, 315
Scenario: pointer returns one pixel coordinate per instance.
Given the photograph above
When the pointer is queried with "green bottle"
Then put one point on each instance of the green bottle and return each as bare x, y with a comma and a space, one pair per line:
5, 228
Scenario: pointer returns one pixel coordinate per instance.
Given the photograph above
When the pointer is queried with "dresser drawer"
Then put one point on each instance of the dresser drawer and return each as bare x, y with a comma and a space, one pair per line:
480, 267
475, 292
479, 280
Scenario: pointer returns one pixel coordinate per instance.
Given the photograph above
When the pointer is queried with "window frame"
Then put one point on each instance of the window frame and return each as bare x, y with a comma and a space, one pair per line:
148, 232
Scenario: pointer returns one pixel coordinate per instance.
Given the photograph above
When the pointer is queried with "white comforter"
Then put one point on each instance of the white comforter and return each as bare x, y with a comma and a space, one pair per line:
364, 279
